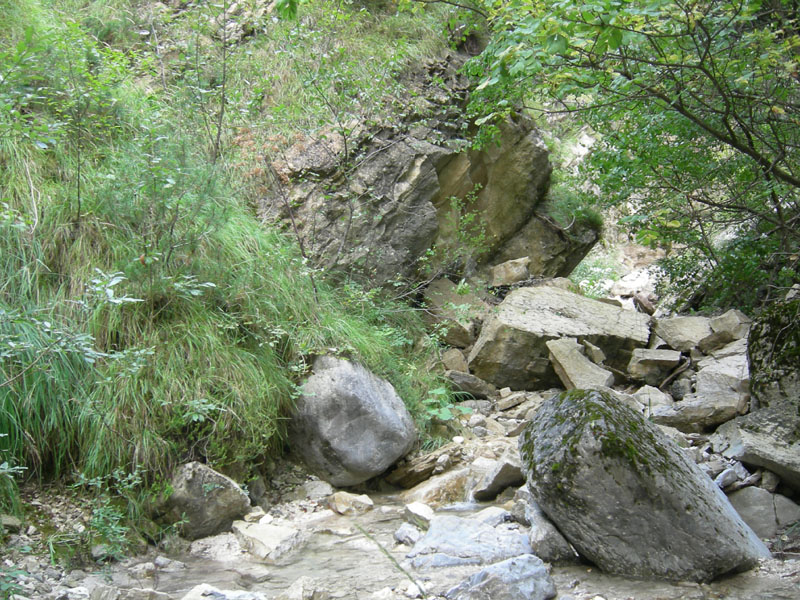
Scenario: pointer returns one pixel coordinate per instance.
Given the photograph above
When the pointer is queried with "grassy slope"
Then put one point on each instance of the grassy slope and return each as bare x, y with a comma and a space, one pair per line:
146, 316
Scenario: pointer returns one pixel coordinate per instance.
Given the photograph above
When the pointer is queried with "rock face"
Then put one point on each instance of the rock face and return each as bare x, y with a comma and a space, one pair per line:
207, 501
512, 347
770, 436
774, 352
375, 203
626, 497
349, 425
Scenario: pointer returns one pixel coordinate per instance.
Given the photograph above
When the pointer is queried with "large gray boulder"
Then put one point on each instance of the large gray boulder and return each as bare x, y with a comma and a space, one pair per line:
348, 424
627, 497
203, 501
511, 350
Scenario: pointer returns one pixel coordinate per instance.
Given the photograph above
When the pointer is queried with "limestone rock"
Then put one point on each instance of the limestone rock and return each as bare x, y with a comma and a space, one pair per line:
683, 333
422, 467
552, 251
470, 384
766, 438
511, 349
626, 497
651, 398
206, 501
205, 591
509, 272
407, 534
459, 310
348, 424
573, 368
764, 512
446, 488
452, 541
418, 514
652, 366
454, 360
266, 541
504, 473
523, 577
546, 541
346, 503
734, 322
721, 393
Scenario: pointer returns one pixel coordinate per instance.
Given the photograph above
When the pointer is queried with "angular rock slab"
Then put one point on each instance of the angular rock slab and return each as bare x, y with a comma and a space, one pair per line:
765, 513
683, 333
574, 369
348, 424
452, 541
204, 501
523, 577
511, 349
266, 541
626, 497
769, 438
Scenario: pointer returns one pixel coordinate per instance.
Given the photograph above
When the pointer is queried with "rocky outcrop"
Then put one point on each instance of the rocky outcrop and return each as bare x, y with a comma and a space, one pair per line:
512, 347
349, 425
626, 497
203, 501
376, 203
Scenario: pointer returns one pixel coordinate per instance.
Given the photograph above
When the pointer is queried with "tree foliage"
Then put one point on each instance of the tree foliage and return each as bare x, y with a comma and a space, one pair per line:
695, 104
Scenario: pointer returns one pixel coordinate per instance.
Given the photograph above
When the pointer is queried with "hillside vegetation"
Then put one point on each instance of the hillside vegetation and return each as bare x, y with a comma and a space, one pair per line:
146, 315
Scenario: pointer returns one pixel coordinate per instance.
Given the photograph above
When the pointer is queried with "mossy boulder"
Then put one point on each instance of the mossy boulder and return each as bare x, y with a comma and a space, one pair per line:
626, 497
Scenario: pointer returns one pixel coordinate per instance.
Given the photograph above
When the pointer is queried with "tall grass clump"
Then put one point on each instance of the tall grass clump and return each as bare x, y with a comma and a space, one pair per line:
147, 317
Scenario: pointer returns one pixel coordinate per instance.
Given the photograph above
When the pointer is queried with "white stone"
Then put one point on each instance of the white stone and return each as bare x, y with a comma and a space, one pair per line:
346, 503
267, 542
418, 514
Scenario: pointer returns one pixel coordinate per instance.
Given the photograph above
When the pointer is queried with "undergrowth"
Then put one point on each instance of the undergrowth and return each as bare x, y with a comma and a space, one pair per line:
146, 316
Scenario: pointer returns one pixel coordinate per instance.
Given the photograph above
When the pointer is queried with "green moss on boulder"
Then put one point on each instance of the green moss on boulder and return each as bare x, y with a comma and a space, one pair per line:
626, 496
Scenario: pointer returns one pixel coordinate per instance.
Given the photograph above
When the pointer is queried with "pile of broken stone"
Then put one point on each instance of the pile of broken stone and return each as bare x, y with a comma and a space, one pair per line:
690, 375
